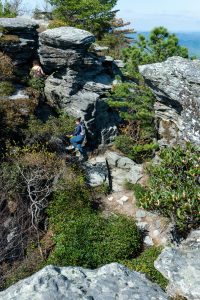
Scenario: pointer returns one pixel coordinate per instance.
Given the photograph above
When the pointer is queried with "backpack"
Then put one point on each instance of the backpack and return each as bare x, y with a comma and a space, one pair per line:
83, 131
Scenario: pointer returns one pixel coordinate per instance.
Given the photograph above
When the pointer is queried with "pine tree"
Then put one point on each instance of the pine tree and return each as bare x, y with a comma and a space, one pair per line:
160, 45
118, 37
92, 15
134, 104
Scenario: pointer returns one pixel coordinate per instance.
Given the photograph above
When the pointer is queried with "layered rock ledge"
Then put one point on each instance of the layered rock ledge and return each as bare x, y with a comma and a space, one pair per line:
79, 79
110, 282
18, 40
176, 85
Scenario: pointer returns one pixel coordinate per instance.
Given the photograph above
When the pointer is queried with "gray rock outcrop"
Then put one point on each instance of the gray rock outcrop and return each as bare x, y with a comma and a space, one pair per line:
79, 80
106, 283
96, 170
113, 169
176, 85
122, 169
181, 266
18, 39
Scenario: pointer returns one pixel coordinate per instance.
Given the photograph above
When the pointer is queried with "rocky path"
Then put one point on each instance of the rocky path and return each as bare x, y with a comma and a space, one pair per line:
156, 228
114, 169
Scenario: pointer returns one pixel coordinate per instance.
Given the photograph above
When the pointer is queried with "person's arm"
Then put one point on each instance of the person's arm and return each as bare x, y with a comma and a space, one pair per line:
41, 71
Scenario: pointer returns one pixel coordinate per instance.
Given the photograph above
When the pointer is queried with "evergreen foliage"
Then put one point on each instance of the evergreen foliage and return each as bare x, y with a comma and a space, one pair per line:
92, 15
6, 88
41, 132
117, 38
83, 236
160, 45
135, 106
173, 188
6, 10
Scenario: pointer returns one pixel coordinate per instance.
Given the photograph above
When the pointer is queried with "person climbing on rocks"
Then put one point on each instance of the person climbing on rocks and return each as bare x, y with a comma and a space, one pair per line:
37, 80
36, 70
78, 139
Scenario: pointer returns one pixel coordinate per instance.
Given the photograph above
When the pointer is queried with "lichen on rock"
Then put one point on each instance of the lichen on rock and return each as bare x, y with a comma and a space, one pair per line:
175, 84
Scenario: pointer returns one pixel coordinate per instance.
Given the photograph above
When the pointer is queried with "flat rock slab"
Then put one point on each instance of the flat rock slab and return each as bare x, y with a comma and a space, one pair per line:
110, 282
18, 24
67, 37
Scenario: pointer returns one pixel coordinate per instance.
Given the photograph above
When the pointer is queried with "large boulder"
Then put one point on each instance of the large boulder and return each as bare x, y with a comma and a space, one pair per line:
110, 282
176, 85
113, 169
122, 170
181, 266
79, 80
18, 39
97, 172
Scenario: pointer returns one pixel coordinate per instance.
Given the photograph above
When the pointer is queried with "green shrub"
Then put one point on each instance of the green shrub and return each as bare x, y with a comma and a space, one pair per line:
84, 237
6, 67
145, 264
157, 48
137, 152
56, 23
123, 142
37, 83
6, 88
134, 103
103, 189
9, 38
173, 187
55, 126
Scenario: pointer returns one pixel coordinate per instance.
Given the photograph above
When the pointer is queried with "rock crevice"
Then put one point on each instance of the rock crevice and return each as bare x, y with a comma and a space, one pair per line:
79, 80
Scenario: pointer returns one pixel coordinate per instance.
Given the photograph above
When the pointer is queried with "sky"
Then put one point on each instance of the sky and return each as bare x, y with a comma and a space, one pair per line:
176, 15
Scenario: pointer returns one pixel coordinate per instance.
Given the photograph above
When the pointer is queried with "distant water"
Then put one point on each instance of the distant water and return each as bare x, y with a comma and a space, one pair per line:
190, 40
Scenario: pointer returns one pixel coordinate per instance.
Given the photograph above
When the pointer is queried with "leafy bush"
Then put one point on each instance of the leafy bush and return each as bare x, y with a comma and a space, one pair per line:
7, 10
173, 187
145, 264
56, 23
84, 237
9, 38
37, 83
6, 66
6, 88
134, 104
38, 131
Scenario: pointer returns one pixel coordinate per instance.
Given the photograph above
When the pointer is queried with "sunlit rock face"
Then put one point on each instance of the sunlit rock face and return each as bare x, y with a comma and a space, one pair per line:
110, 282
181, 266
79, 80
176, 85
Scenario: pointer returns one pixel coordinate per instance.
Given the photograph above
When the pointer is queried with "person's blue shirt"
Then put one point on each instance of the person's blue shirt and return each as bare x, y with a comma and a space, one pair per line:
79, 130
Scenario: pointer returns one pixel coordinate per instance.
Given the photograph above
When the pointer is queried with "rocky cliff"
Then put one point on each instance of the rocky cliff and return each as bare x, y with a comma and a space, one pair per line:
176, 85
19, 39
79, 79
